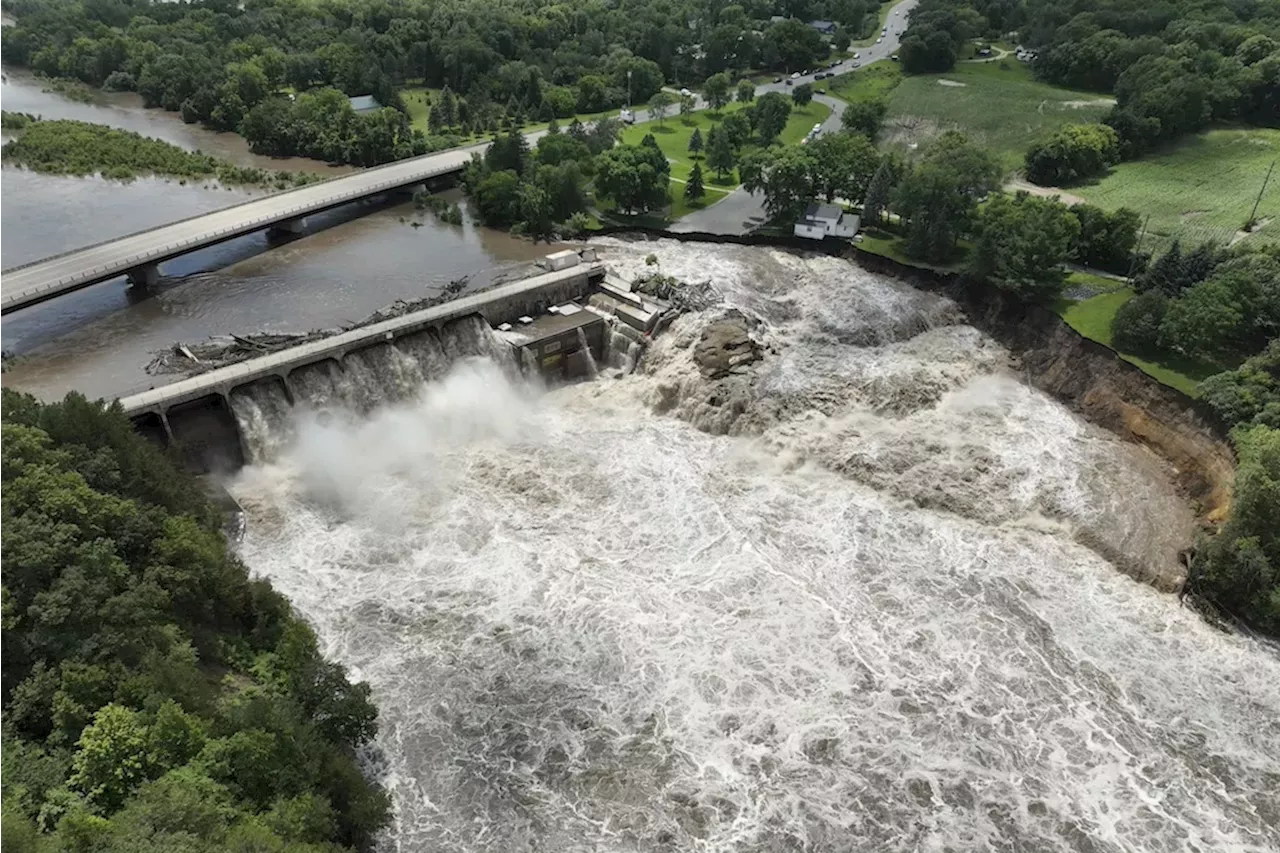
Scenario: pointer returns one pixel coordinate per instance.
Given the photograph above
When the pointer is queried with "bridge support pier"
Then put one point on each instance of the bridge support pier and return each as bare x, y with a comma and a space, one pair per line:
145, 276
414, 189
288, 226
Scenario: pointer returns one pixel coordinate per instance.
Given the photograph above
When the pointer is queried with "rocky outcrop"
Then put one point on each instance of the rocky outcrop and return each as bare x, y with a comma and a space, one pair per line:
724, 345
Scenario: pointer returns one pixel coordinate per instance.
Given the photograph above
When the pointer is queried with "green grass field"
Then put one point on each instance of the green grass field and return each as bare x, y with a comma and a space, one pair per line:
673, 135
1200, 189
1092, 318
997, 104
866, 84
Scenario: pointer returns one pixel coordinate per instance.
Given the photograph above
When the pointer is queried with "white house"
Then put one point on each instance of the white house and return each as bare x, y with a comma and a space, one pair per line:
826, 220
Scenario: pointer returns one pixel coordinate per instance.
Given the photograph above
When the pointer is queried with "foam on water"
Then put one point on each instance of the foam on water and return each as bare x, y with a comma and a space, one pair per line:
871, 619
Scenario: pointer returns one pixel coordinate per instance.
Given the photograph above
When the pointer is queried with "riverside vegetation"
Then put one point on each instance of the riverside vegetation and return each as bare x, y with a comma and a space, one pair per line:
68, 147
155, 697
269, 69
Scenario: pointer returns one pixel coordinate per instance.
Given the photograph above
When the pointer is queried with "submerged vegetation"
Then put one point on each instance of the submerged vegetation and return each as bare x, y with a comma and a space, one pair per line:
155, 697
67, 147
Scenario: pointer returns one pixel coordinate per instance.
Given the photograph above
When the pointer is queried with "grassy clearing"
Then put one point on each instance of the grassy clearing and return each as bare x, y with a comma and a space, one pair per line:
998, 106
1202, 188
1092, 318
867, 84
673, 136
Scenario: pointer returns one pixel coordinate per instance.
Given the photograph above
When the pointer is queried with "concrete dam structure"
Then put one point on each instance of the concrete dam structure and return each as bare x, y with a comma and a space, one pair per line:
559, 325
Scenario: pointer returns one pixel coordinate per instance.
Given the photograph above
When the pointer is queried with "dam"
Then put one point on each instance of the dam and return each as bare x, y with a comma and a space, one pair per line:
557, 325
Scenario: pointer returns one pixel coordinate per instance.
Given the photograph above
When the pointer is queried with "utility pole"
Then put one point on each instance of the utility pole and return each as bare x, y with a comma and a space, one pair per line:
1258, 200
629, 91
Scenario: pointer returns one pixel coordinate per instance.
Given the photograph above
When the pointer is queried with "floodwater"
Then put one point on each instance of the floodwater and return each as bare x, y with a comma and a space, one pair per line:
351, 261
864, 596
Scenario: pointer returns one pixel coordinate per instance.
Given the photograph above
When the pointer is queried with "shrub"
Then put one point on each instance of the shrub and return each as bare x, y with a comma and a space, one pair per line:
1136, 326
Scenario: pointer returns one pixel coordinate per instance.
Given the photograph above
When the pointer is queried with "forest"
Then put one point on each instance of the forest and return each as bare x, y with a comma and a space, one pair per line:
277, 71
156, 698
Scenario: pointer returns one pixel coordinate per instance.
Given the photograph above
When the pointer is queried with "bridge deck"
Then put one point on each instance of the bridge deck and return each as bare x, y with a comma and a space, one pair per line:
486, 302
33, 283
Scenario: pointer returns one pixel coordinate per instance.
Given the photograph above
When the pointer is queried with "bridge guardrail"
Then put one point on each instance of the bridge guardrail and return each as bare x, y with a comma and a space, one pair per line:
309, 187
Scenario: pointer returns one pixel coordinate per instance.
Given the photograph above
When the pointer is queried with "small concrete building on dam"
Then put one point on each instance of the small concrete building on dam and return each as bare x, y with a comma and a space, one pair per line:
558, 325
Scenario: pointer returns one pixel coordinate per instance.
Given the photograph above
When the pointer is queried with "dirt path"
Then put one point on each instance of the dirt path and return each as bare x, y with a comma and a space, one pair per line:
1047, 192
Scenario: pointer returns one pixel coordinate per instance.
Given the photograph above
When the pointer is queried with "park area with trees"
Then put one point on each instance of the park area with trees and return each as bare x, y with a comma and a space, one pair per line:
155, 697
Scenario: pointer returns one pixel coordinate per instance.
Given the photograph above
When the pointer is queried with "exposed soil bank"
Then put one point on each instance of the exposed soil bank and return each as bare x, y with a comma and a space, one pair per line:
1088, 376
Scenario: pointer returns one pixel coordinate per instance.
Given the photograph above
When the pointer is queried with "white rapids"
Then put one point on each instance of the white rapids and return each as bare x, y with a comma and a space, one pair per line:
864, 597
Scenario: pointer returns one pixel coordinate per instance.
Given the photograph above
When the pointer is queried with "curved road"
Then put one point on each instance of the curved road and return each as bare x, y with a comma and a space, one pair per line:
740, 212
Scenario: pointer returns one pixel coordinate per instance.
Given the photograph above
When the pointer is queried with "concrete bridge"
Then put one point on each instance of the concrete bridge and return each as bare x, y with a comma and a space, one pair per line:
195, 415
139, 255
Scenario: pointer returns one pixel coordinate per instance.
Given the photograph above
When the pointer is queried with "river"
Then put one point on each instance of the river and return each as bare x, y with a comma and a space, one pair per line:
865, 596
350, 262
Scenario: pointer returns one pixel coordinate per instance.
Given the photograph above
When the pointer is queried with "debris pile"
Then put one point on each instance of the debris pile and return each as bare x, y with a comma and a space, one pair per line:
222, 350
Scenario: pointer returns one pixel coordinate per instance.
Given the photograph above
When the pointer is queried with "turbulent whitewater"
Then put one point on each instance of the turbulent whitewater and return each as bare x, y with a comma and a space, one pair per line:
868, 593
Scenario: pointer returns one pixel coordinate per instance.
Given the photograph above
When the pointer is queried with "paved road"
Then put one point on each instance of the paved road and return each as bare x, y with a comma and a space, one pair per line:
740, 212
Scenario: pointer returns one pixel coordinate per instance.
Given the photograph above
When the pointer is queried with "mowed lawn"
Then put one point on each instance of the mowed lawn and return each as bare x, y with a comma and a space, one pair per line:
1092, 318
1202, 188
996, 104
866, 84
673, 134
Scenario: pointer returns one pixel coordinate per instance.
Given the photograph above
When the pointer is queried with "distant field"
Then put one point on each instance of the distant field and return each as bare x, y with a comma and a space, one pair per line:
1203, 188
996, 104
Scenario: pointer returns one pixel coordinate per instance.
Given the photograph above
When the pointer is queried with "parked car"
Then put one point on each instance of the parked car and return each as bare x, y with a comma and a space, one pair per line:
820, 91
795, 75
777, 79
857, 55
806, 72
879, 39
684, 93
894, 57
791, 82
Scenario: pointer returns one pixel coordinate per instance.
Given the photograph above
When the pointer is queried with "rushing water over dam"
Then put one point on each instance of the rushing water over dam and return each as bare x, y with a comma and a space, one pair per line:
867, 593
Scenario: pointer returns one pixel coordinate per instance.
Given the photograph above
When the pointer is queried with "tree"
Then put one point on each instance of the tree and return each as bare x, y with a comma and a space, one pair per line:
660, 105
693, 188
448, 107
1107, 240
497, 199
1136, 325
939, 197
1250, 394
111, 759
768, 115
1239, 568
716, 90
695, 142
801, 95
1233, 312
635, 177
784, 176
687, 105
792, 44
840, 39
845, 163
746, 91
865, 117
1073, 153
876, 200
737, 127
720, 152
1021, 244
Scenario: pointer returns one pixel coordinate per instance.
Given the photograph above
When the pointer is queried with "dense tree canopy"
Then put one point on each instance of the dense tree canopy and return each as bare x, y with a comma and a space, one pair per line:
1021, 242
939, 195
216, 61
155, 697
1072, 154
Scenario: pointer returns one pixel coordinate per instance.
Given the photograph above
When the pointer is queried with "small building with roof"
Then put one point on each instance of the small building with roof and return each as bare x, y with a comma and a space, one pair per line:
826, 220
